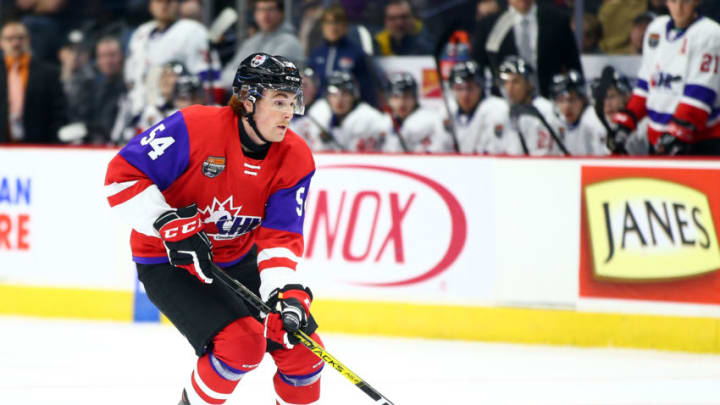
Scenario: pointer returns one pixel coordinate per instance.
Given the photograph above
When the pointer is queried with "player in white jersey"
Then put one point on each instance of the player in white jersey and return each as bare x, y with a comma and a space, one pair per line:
164, 39
580, 128
416, 129
481, 123
610, 93
353, 125
532, 117
678, 83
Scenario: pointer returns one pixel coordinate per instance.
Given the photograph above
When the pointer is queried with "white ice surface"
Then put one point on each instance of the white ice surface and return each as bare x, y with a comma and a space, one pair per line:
63, 362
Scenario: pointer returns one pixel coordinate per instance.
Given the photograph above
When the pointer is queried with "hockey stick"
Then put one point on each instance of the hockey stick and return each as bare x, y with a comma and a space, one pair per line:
306, 340
528, 109
325, 135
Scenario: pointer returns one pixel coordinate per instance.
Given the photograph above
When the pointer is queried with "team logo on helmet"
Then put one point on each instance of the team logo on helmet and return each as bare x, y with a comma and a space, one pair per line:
258, 60
213, 165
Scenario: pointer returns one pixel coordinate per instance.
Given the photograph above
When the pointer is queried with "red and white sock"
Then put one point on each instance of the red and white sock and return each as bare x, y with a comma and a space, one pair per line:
212, 381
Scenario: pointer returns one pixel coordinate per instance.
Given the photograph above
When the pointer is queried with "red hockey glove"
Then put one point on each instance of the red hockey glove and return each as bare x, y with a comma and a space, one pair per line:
681, 130
626, 124
187, 244
293, 304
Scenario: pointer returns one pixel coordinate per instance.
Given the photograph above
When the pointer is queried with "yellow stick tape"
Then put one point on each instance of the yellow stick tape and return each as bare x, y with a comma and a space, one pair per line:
519, 325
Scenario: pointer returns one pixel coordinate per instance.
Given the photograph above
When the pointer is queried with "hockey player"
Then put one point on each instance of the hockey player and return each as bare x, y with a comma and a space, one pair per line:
610, 93
226, 185
678, 83
416, 129
580, 128
532, 116
481, 123
164, 39
353, 125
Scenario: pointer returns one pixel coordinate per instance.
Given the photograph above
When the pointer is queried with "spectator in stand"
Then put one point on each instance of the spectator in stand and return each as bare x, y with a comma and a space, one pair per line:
46, 26
616, 17
404, 34
32, 102
164, 39
486, 8
637, 32
100, 95
75, 72
659, 8
592, 33
338, 53
191, 9
273, 38
538, 34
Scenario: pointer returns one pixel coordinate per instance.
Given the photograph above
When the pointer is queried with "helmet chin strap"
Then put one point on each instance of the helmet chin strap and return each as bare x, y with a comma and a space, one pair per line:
245, 138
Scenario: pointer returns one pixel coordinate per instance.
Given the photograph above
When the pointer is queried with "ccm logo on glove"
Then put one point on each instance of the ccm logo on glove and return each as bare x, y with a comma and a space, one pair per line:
173, 231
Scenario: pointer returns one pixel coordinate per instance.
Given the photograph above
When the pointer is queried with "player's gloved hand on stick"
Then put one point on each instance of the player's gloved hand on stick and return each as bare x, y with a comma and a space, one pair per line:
626, 123
187, 244
293, 305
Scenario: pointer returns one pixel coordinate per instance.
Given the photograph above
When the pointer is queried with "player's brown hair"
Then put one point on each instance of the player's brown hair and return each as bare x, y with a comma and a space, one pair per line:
237, 106
335, 12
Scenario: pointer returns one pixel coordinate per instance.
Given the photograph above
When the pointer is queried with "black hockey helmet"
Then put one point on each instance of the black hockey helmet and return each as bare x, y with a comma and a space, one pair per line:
401, 83
465, 71
569, 82
609, 78
342, 81
187, 86
515, 65
176, 67
261, 71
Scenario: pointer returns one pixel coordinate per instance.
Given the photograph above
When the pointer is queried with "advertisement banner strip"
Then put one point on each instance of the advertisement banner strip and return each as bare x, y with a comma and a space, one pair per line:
518, 325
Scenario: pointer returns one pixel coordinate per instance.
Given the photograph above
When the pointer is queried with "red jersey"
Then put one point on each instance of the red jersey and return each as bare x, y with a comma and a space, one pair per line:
195, 156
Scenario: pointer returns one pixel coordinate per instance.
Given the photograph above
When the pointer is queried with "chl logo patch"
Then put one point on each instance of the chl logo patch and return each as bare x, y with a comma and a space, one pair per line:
653, 40
213, 165
498, 130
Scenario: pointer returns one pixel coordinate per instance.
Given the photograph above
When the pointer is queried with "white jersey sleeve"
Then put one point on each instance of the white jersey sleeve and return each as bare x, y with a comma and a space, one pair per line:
364, 129
423, 131
532, 133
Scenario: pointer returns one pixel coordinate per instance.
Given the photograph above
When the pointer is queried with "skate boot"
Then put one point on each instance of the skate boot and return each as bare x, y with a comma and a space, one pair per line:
183, 399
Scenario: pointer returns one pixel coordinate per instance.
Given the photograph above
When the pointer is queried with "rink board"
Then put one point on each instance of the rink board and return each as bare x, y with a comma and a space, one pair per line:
471, 247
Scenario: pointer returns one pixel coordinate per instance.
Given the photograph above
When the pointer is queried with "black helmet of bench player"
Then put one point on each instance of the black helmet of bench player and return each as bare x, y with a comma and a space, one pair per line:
401, 83
570, 82
514, 65
463, 72
342, 81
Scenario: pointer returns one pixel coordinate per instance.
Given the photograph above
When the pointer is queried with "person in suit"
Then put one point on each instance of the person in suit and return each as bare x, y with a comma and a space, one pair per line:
32, 102
538, 34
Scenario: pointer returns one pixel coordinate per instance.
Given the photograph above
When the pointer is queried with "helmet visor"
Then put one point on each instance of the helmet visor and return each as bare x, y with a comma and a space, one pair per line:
285, 98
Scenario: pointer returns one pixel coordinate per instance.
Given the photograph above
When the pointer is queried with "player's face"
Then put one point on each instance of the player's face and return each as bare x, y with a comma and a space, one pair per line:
517, 89
267, 15
164, 11
341, 102
614, 101
682, 11
467, 95
402, 104
570, 106
273, 112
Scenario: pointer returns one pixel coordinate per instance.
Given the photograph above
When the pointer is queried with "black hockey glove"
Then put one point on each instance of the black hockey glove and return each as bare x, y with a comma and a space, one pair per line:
187, 245
293, 305
669, 145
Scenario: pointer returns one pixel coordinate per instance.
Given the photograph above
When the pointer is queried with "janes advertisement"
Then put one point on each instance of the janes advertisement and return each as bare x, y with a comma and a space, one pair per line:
382, 227
650, 234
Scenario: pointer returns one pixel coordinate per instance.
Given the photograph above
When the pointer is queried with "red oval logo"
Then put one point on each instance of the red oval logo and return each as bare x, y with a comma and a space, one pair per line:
457, 219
